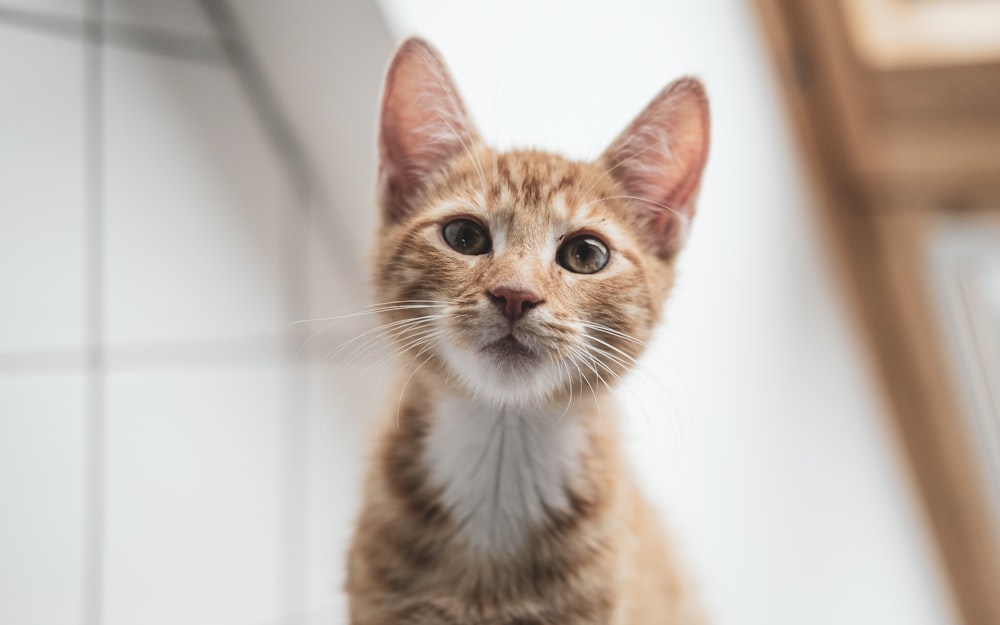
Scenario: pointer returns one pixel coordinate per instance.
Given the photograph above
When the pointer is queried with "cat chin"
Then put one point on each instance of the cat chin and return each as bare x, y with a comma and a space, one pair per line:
506, 376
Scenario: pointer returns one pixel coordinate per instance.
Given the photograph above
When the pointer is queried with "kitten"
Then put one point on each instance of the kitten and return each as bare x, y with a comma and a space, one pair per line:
522, 286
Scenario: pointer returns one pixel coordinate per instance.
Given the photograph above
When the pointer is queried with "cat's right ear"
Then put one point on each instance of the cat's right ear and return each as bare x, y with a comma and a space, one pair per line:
659, 159
422, 126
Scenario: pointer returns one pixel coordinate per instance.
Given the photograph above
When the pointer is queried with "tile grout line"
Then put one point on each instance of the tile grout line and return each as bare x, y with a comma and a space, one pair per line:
94, 452
225, 352
151, 40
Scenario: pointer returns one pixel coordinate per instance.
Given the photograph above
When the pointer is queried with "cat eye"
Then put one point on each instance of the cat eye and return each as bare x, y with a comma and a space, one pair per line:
583, 254
467, 237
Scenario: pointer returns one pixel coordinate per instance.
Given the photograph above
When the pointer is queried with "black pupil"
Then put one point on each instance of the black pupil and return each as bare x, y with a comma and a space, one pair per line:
584, 253
467, 237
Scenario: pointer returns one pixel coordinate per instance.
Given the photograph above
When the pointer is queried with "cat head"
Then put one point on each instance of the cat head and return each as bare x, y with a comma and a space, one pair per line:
524, 275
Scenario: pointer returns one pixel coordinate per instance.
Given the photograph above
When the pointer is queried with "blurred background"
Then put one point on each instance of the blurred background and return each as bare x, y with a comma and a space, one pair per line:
184, 184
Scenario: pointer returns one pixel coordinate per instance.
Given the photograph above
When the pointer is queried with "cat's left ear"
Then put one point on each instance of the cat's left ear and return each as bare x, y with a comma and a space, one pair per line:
659, 159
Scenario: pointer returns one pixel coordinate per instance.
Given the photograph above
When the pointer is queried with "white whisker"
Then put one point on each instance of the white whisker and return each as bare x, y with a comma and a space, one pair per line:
593, 392
630, 357
371, 311
399, 404
603, 328
380, 331
427, 341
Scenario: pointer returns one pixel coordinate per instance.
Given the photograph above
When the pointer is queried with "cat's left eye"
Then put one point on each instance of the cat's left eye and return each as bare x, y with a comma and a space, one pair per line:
583, 254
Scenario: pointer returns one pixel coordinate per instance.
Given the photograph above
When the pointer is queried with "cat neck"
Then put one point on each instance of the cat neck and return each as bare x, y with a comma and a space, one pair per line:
503, 470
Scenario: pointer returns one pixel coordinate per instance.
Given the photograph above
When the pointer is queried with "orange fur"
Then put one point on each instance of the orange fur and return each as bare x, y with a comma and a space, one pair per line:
574, 541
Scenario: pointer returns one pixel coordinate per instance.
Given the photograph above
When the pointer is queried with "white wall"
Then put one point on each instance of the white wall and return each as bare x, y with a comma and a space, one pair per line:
203, 469
765, 444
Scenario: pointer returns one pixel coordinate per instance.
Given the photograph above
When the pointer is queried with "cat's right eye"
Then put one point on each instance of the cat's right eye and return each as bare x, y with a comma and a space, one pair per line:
467, 237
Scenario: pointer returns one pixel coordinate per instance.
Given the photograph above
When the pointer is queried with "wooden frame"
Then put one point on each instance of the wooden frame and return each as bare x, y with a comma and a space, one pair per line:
893, 34
875, 158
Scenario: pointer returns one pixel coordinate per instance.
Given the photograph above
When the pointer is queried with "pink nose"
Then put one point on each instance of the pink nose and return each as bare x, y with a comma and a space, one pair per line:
513, 302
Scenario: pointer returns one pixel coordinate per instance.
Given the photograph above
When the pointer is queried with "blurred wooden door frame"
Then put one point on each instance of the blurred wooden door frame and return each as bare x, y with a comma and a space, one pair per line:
893, 34
894, 152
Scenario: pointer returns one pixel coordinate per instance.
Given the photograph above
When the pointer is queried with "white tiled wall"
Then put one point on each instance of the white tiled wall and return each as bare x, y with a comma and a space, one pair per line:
41, 192
42, 429
192, 496
194, 198
198, 467
41, 310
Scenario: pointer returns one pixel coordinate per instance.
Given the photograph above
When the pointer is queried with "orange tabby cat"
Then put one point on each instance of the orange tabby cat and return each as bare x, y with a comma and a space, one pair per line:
522, 285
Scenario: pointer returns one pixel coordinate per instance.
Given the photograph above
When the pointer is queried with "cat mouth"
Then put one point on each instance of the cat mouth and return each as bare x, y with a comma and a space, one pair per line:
509, 347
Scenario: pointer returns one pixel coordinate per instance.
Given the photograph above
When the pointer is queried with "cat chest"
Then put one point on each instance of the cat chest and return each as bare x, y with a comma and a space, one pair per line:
501, 471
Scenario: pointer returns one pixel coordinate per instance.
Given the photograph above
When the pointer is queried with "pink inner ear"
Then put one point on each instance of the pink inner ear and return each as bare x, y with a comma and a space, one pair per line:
423, 124
660, 156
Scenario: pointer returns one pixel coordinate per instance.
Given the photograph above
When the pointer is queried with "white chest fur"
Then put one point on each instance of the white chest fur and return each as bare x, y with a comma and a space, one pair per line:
501, 470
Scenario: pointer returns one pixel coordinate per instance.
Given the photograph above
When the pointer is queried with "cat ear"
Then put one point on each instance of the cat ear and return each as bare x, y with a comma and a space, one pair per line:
660, 156
423, 125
